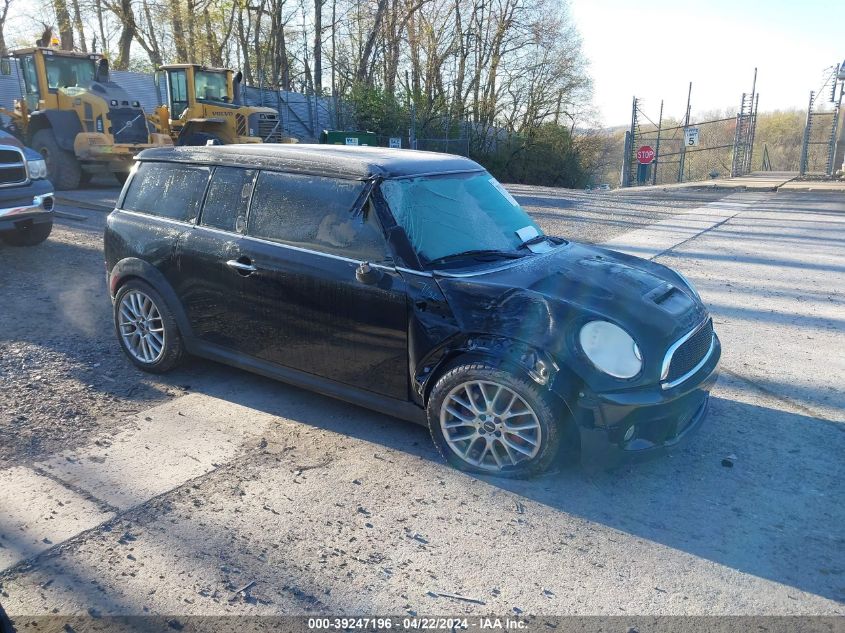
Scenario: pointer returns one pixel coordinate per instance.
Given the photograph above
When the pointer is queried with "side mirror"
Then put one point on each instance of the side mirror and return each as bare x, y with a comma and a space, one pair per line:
366, 274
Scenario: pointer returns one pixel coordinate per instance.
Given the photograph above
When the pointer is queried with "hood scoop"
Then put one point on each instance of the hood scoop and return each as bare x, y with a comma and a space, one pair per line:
670, 298
661, 293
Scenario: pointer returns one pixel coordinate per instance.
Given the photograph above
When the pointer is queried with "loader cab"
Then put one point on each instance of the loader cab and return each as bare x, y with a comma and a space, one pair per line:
189, 86
45, 71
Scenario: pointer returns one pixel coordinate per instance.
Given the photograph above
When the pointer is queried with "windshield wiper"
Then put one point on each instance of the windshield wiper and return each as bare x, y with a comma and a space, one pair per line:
534, 240
476, 253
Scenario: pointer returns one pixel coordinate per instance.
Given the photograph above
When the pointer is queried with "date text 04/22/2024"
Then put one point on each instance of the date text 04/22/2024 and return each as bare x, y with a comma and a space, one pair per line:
416, 624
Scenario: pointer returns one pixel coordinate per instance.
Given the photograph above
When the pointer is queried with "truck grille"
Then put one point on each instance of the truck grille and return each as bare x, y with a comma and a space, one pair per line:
691, 352
128, 125
269, 130
12, 167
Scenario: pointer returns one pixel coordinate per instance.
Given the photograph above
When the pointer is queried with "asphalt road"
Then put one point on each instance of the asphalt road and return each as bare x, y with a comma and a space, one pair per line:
172, 497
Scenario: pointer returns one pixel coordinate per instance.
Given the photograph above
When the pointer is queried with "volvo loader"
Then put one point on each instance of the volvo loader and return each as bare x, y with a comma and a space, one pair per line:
204, 106
74, 115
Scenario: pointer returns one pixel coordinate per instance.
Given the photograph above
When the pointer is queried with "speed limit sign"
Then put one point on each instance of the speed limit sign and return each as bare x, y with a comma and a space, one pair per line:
691, 136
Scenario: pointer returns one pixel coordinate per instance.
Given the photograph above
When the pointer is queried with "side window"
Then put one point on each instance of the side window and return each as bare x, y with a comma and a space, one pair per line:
167, 189
228, 198
178, 93
30, 80
315, 212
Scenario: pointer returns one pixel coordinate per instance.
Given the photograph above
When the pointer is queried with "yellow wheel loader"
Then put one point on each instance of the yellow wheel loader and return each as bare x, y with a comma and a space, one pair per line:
204, 106
76, 117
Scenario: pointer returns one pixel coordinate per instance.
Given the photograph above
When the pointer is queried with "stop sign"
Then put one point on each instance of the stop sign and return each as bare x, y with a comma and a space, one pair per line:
645, 155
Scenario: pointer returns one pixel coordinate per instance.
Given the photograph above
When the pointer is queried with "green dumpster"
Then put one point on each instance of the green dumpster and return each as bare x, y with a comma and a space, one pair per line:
344, 137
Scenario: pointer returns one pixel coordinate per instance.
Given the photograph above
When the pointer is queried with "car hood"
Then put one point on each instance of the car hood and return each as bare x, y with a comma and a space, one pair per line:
544, 299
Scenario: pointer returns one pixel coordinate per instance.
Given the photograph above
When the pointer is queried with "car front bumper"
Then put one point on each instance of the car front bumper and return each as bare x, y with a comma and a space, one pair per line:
661, 418
25, 205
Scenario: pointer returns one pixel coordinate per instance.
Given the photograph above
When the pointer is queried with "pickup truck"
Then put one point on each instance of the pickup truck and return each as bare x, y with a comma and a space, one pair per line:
26, 196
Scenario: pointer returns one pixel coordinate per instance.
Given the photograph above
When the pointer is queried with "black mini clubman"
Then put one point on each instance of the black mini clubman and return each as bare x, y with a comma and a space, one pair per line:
411, 283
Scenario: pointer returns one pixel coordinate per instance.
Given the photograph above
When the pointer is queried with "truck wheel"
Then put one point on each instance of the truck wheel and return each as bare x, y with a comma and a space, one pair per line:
28, 236
493, 421
63, 169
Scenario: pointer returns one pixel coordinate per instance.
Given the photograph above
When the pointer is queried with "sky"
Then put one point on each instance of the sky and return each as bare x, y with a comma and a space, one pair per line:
652, 49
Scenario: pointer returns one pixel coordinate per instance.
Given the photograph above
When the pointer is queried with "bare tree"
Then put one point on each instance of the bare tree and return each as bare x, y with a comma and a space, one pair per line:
4, 13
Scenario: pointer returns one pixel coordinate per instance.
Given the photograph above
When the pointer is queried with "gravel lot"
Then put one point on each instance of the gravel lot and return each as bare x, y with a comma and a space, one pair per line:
597, 216
63, 377
317, 506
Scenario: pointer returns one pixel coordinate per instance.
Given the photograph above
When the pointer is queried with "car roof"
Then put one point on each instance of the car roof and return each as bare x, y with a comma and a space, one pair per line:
343, 161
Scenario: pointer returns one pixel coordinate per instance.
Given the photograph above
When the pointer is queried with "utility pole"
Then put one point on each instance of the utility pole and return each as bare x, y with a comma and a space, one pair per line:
629, 147
805, 144
684, 145
657, 145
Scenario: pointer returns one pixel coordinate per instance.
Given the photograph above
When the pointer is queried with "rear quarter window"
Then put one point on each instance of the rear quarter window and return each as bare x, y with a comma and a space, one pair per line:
167, 190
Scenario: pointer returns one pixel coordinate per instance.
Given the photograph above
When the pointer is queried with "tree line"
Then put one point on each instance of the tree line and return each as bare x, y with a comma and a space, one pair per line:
507, 74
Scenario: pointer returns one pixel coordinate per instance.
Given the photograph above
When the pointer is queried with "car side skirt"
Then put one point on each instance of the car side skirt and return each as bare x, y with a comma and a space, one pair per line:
389, 406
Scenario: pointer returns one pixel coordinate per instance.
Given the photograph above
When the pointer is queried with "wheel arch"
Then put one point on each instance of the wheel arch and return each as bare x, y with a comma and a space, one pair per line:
131, 268
64, 124
205, 127
562, 384
499, 351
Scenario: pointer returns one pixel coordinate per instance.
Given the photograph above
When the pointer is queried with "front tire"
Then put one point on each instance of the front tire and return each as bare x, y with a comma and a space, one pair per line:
490, 420
63, 169
28, 236
146, 328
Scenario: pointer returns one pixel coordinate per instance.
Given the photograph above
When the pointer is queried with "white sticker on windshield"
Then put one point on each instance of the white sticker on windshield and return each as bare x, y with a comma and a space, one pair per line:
504, 192
527, 232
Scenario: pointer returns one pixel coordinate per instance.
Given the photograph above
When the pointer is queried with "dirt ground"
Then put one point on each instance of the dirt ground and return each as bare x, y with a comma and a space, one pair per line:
124, 493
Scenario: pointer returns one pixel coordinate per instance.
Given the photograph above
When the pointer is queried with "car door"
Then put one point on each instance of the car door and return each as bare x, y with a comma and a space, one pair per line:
309, 310
208, 267
162, 201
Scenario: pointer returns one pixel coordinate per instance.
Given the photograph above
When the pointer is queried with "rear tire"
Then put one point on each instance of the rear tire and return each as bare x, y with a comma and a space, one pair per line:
146, 328
63, 169
28, 236
493, 421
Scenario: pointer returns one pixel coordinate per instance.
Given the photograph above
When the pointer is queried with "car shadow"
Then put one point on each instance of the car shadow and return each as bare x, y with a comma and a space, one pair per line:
757, 490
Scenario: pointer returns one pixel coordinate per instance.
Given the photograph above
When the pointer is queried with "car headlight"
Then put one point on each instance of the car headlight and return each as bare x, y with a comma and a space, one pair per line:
611, 349
36, 168
689, 284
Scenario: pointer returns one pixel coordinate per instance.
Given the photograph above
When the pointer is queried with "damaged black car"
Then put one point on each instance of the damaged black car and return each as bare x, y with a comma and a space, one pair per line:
414, 284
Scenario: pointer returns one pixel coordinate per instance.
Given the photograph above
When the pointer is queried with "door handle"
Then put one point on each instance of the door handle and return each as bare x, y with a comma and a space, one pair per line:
243, 265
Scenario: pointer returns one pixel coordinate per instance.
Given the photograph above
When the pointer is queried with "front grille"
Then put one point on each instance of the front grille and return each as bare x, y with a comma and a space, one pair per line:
128, 125
8, 156
691, 352
269, 130
12, 167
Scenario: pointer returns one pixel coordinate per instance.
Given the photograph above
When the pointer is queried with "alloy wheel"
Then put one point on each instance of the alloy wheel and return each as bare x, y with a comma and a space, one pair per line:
489, 425
141, 327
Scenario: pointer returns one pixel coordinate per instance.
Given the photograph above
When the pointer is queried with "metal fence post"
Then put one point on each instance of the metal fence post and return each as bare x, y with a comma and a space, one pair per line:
657, 145
684, 145
625, 179
805, 145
